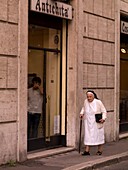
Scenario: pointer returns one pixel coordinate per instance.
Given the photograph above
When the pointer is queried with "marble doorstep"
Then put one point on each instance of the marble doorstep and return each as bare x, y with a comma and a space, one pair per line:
50, 152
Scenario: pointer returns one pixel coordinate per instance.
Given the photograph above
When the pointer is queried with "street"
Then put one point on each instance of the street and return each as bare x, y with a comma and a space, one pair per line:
113, 152
123, 165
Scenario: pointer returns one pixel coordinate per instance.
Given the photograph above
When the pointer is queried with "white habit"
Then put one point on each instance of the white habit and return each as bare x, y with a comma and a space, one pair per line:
94, 132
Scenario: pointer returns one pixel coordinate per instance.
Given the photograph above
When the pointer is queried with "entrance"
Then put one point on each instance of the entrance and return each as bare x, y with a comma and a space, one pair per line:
123, 78
45, 61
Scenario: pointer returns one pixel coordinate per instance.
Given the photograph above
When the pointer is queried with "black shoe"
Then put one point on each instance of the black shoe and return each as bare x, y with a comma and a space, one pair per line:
85, 153
99, 153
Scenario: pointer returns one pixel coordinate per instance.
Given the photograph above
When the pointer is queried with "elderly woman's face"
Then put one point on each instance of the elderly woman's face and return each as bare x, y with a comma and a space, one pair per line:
90, 97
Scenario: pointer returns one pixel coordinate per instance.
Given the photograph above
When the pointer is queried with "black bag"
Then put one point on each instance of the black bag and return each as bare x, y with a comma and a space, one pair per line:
98, 116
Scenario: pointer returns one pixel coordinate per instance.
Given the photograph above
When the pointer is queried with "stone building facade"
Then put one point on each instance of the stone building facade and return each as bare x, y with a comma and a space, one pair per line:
13, 61
92, 56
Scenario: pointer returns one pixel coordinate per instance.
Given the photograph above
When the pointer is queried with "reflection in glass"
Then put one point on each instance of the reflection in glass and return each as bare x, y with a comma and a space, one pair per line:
35, 69
42, 37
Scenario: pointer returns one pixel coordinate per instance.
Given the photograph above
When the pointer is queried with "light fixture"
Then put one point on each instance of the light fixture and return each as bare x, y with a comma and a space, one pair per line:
123, 50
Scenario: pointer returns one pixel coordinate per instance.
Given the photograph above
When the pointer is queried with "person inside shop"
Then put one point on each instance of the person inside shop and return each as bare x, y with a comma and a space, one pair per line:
35, 99
93, 113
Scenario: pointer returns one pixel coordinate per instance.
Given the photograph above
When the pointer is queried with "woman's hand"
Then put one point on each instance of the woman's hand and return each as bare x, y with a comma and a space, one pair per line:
81, 116
41, 89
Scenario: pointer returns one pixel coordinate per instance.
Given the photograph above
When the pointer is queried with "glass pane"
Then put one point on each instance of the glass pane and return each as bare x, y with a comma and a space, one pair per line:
53, 94
123, 82
45, 65
124, 91
35, 99
42, 37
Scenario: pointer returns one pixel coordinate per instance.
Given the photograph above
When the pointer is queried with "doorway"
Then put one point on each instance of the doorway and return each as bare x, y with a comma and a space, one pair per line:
45, 61
123, 79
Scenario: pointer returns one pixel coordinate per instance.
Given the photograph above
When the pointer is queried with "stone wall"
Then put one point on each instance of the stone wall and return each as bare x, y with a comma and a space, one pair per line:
10, 52
8, 79
91, 62
99, 54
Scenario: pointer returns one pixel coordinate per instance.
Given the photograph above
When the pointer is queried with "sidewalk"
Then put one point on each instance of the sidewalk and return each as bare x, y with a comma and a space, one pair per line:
114, 152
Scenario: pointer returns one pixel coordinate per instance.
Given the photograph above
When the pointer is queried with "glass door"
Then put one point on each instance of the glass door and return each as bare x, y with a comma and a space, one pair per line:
52, 91
123, 83
45, 62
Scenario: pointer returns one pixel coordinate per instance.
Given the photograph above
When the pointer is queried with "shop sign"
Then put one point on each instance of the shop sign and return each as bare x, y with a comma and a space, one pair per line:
51, 7
124, 27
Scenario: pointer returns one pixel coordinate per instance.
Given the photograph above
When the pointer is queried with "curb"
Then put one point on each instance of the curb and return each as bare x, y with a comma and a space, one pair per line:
98, 163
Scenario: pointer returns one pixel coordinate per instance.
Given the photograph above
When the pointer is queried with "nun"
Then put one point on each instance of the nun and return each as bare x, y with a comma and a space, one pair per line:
93, 128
